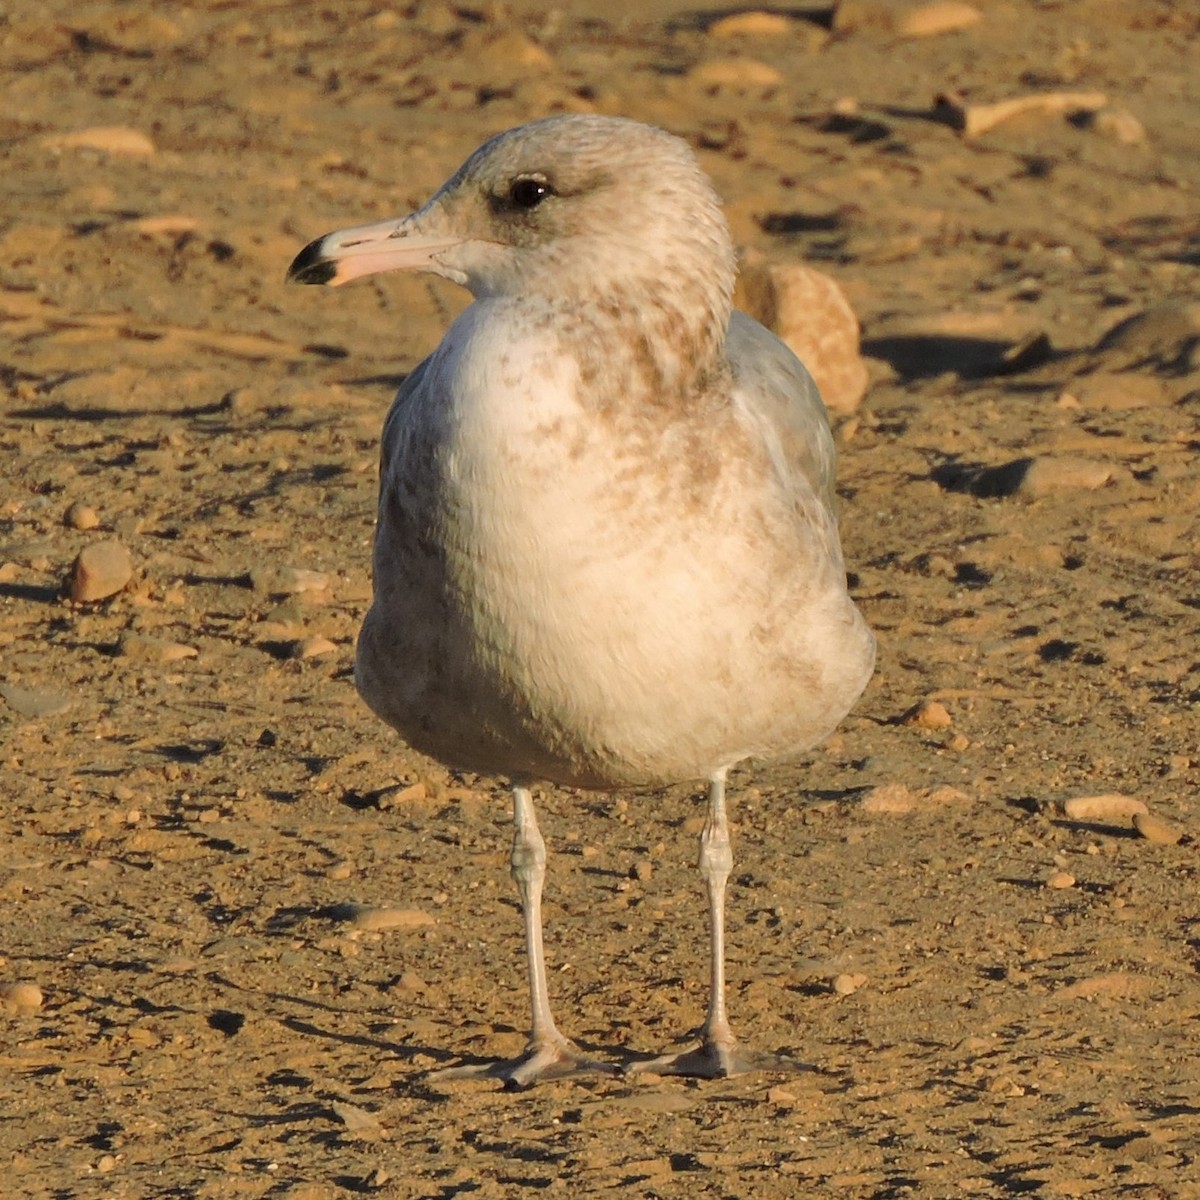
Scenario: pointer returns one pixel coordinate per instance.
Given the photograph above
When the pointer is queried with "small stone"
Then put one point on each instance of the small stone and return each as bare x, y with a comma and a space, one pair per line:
904, 17
101, 570
405, 793
928, 714
847, 985
809, 311
1046, 475
641, 870
20, 999
1111, 808
735, 73
1118, 391
941, 16
313, 647
106, 1163
140, 648
1163, 332
1120, 125
359, 1123
896, 798
375, 920
33, 702
1061, 879
1156, 830
339, 870
81, 516
109, 139
959, 743
295, 581
750, 24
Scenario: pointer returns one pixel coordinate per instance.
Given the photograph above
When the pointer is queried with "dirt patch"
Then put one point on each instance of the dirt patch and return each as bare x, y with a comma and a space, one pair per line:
253, 920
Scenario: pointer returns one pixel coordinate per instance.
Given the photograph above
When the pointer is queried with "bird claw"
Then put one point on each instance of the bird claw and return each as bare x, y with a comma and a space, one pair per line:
715, 1060
557, 1059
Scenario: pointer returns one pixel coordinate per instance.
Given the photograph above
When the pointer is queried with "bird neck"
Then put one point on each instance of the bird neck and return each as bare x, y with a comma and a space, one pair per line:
653, 342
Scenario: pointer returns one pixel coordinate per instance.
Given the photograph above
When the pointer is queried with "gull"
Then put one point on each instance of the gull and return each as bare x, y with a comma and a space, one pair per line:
606, 554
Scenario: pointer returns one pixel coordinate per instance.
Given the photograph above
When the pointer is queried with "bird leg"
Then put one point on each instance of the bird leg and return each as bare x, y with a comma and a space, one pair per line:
548, 1054
718, 1054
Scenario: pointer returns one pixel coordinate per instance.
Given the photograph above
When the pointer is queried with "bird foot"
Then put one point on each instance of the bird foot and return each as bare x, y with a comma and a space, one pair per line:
714, 1060
556, 1058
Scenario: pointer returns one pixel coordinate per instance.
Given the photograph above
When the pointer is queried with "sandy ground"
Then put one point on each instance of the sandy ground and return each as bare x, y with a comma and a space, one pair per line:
201, 821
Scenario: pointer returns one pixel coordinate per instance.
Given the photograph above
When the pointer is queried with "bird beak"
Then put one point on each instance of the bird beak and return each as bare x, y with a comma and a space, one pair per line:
397, 245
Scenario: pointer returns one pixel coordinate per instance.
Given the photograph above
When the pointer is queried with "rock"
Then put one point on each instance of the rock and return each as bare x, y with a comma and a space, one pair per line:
903, 17
1165, 334
140, 648
896, 798
404, 793
735, 73
360, 1124
296, 581
1119, 124
20, 999
1110, 808
1153, 829
928, 714
641, 870
1118, 391
1061, 879
1046, 475
809, 311
33, 702
941, 16
750, 24
514, 50
101, 570
847, 985
371, 919
109, 139
313, 647
80, 516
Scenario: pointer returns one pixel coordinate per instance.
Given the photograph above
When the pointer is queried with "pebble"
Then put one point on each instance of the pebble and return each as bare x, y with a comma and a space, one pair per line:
928, 714
1120, 125
20, 999
374, 920
109, 139
81, 516
903, 17
100, 570
140, 648
750, 24
1163, 332
1111, 808
1154, 829
735, 73
33, 702
405, 793
897, 798
359, 1123
847, 985
1118, 391
641, 870
808, 310
1047, 475
313, 647
1061, 879
942, 16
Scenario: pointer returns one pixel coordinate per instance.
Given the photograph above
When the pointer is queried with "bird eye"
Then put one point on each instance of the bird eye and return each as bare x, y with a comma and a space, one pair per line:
528, 192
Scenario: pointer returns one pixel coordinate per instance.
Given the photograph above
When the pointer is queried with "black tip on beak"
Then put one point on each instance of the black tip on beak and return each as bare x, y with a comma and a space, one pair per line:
311, 266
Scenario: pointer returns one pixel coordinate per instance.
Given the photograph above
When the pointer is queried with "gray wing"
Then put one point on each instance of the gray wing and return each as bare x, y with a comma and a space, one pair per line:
779, 394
